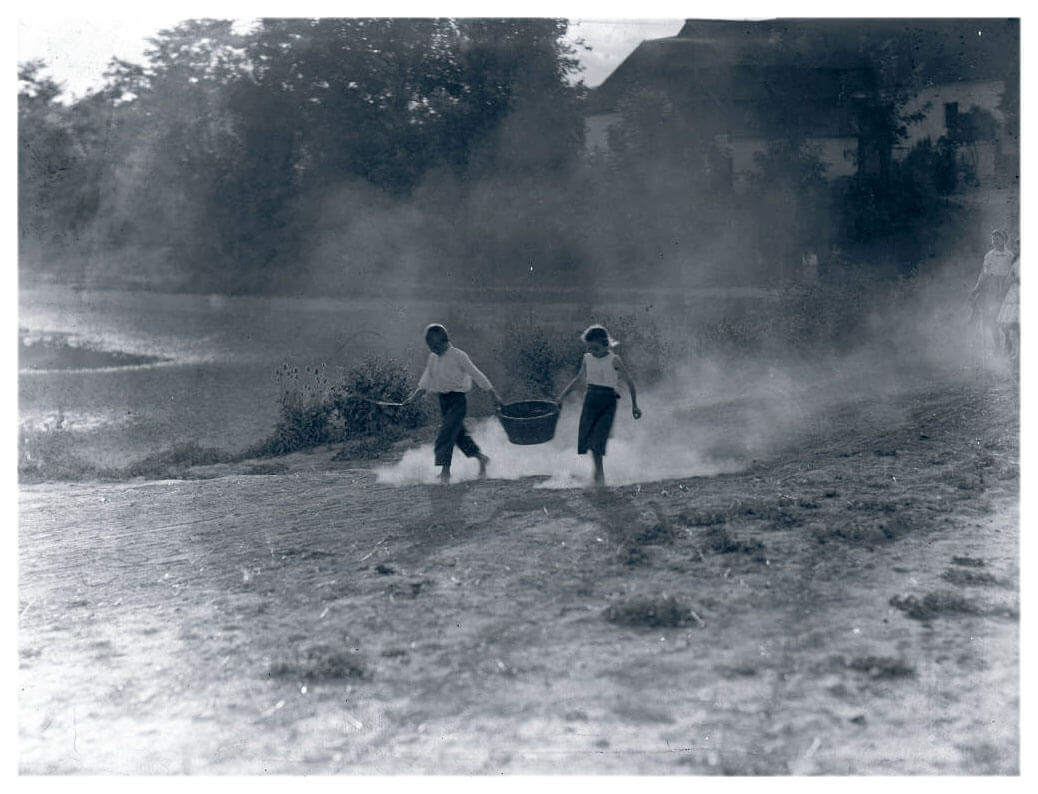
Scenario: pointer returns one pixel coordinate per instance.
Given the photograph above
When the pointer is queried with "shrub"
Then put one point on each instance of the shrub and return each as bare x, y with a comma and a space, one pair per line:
374, 379
314, 411
644, 349
649, 612
806, 319
745, 333
320, 663
48, 453
173, 462
537, 358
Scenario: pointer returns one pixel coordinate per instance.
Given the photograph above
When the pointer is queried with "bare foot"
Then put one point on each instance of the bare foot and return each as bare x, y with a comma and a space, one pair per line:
483, 461
445, 476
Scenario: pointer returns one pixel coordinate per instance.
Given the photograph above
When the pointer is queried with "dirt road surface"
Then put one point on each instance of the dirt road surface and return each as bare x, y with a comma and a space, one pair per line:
848, 607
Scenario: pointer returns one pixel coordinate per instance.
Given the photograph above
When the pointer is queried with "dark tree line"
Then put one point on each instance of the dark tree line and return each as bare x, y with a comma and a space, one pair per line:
219, 152
336, 154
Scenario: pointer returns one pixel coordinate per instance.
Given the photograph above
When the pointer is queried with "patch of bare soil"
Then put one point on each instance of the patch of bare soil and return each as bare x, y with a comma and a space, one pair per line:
848, 608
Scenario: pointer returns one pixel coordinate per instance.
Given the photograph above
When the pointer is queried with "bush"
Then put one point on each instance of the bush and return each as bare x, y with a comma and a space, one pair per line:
537, 358
540, 358
315, 412
807, 319
172, 463
643, 348
648, 612
374, 379
48, 453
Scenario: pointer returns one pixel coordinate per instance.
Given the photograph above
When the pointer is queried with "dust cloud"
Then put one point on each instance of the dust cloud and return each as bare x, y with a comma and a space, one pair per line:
717, 414
705, 422
642, 451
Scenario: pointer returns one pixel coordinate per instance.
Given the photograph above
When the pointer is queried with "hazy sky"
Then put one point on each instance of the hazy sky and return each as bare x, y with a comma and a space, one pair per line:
79, 40
78, 48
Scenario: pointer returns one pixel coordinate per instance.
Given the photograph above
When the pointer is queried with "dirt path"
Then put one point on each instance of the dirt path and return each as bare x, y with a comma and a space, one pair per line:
849, 609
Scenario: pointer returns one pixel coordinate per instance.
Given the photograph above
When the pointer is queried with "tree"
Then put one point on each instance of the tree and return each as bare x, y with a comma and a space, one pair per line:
59, 160
786, 208
218, 148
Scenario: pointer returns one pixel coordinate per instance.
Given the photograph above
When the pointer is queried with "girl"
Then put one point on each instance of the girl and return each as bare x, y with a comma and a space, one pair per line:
602, 369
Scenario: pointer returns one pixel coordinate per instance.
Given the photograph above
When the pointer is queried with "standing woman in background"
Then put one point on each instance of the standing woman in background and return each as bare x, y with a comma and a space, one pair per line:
988, 293
1009, 314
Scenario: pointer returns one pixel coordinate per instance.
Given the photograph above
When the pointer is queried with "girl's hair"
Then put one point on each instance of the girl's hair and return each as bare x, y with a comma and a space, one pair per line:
598, 333
435, 331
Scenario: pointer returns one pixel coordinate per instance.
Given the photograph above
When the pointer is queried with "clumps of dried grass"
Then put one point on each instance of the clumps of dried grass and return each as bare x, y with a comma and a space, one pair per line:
409, 590
935, 605
968, 562
882, 667
649, 612
319, 663
174, 463
970, 578
867, 530
703, 519
656, 533
720, 541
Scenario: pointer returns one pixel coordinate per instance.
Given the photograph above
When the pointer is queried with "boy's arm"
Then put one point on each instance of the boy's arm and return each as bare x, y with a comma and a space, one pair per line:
477, 375
569, 386
423, 382
416, 394
626, 377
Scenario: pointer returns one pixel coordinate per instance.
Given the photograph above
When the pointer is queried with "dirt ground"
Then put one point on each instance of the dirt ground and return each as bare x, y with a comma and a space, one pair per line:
847, 607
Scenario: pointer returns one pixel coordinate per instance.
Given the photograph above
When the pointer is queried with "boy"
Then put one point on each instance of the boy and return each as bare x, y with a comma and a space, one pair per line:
450, 373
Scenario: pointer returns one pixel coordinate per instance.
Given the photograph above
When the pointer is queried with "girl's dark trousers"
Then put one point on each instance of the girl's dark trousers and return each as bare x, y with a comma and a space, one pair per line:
596, 419
453, 406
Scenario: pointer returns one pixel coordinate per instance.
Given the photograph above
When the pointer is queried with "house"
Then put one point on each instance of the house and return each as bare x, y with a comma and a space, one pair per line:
967, 115
746, 84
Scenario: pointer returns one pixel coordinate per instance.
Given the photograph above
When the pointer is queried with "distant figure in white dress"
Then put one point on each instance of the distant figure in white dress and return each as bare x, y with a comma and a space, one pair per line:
1009, 314
990, 290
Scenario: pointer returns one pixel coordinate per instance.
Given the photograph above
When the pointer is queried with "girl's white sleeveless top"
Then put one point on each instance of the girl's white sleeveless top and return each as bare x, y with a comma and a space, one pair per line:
600, 371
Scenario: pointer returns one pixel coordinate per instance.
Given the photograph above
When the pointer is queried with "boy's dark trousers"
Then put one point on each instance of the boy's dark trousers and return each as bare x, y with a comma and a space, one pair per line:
453, 406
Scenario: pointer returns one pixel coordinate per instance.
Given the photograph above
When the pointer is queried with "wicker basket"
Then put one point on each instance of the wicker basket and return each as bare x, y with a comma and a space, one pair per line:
529, 421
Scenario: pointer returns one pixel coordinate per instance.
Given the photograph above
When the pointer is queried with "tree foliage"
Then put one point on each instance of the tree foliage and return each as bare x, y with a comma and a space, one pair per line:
213, 154
330, 153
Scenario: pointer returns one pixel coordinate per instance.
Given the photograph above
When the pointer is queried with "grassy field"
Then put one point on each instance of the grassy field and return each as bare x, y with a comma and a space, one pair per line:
848, 606
801, 567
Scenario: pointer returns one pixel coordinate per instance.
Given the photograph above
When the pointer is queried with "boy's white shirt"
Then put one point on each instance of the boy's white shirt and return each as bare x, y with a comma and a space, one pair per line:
452, 371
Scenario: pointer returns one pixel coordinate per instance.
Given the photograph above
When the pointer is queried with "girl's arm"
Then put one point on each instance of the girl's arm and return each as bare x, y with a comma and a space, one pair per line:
569, 386
625, 376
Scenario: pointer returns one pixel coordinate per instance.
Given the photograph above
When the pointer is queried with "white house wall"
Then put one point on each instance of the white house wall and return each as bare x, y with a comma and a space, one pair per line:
596, 132
984, 94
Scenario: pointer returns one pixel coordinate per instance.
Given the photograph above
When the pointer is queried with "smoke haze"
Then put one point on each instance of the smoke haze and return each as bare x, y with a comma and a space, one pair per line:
715, 414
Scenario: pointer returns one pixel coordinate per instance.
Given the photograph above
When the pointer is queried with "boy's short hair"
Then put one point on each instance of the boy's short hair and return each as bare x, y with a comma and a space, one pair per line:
436, 331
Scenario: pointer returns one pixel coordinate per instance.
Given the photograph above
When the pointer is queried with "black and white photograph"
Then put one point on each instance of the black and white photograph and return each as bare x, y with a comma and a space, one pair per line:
607, 392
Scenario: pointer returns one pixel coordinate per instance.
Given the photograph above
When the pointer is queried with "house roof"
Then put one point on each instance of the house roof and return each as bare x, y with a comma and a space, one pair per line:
816, 60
